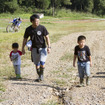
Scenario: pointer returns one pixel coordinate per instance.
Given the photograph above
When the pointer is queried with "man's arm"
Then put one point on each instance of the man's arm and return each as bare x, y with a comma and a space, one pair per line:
23, 45
74, 60
48, 43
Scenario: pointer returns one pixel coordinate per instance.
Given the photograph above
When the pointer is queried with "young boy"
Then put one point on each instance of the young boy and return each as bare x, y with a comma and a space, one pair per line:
15, 57
82, 52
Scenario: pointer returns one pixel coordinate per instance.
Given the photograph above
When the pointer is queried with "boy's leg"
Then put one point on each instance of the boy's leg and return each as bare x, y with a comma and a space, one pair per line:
87, 71
81, 73
18, 72
15, 67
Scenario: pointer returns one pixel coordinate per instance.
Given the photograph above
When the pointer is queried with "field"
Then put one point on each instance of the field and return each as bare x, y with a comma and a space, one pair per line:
59, 29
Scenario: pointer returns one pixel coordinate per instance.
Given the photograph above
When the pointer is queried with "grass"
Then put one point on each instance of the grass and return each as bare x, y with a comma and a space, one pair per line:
57, 27
2, 87
67, 57
60, 82
51, 103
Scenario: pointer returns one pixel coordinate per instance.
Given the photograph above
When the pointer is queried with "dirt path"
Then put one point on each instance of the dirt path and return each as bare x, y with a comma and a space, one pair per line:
28, 92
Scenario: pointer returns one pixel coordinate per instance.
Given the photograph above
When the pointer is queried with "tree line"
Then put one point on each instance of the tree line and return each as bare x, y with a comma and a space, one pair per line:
91, 6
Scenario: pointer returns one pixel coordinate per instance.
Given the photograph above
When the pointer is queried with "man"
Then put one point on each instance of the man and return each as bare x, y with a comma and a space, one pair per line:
37, 34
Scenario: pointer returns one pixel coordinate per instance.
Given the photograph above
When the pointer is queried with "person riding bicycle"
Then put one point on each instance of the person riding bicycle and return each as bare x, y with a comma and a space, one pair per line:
17, 22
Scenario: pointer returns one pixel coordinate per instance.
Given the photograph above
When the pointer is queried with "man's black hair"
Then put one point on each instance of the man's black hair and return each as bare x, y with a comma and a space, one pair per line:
33, 17
15, 45
81, 37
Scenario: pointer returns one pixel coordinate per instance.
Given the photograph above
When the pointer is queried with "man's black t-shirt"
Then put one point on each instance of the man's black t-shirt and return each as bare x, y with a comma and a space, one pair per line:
37, 36
82, 53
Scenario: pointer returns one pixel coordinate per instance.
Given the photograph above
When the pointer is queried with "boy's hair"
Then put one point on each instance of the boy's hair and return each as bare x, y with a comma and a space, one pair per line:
81, 37
33, 17
15, 45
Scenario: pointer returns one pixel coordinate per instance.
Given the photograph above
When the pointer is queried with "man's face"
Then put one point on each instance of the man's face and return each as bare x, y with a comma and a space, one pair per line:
82, 43
35, 22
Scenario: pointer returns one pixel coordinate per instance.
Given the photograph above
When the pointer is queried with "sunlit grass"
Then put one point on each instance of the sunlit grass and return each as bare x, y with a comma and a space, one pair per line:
57, 27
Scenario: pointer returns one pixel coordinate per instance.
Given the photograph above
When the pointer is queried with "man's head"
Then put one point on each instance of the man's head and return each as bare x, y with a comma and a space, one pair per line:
81, 41
35, 20
15, 47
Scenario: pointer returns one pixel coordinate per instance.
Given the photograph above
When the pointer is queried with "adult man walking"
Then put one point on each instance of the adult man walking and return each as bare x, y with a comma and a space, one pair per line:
39, 37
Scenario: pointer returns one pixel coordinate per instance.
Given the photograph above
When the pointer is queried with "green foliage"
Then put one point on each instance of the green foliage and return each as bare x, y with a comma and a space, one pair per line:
11, 6
50, 7
27, 3
99, 7
44, 4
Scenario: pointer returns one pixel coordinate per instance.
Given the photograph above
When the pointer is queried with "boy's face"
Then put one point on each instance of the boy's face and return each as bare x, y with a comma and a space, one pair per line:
82, 43
36, 22
15, 49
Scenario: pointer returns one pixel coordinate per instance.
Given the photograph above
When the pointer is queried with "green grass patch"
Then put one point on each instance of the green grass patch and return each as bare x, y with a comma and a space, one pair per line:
51, 103
2, 87
67, 57
60, 82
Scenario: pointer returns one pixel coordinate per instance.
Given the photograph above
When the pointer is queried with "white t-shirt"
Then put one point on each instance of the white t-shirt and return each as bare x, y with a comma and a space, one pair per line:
16, 57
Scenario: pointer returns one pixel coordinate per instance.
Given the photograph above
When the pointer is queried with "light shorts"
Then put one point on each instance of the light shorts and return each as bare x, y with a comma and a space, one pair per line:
39, 57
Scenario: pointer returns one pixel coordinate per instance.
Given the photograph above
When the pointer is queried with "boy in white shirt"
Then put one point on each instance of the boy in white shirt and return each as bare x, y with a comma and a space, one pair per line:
15, 56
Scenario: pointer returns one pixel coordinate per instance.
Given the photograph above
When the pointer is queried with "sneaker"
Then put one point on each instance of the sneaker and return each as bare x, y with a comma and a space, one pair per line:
81, 85
81, 82
18, 76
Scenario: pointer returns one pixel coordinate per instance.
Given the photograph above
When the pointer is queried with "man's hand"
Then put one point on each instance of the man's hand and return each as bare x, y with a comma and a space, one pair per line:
48, 50
23, 51
24, 43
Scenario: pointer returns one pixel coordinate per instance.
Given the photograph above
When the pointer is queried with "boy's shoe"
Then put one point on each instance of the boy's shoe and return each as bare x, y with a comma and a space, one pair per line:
81, 82
18, 76
81, 85
87, 81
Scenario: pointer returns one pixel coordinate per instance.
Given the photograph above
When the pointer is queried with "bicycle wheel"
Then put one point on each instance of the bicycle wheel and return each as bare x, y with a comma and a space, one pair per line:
9, 28
16, 29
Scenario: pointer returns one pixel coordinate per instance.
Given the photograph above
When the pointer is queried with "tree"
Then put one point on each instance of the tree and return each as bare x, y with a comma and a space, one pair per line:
43, 4
82, 5
2, 6
11, 6
99, 7
27, 3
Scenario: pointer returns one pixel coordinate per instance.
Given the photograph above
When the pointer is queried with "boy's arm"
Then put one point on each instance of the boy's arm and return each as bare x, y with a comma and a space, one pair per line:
74, 60
90, 61
23, 45
10, 55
